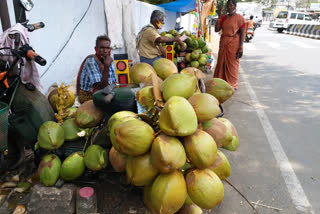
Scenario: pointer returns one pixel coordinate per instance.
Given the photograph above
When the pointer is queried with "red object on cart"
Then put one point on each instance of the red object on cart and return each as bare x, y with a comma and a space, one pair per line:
5, 82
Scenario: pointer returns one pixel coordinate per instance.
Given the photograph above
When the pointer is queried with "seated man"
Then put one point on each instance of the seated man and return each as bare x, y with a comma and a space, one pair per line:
96, 71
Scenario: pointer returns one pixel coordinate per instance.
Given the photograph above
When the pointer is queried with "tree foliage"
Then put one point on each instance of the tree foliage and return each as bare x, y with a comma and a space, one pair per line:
266, 3
305, 3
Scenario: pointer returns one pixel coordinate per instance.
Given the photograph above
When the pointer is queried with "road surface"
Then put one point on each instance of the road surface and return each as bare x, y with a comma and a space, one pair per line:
276, 111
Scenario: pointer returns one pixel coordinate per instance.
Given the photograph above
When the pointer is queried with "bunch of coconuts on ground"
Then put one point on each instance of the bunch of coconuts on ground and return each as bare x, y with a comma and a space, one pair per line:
174, 153
171, 149
72, 124
79, 123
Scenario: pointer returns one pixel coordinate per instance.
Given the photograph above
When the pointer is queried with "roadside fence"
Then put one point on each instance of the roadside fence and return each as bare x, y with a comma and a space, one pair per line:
309, 30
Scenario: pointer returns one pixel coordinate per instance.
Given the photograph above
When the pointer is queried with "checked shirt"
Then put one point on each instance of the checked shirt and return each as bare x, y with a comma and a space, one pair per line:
91, 74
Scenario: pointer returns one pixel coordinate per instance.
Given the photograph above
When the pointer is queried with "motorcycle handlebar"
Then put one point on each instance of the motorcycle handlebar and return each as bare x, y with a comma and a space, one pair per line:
37, 58
27, 52
35, 26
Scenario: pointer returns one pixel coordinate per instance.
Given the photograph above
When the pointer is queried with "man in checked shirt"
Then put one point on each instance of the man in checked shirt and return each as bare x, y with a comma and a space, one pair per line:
96, 71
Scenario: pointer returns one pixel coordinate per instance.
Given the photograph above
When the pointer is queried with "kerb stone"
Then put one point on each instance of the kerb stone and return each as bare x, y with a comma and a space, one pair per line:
45, 200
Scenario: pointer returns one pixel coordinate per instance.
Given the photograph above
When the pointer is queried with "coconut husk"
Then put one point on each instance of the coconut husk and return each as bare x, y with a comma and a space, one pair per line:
195, 71
88, 115
219, 88
164, 68
140, 72
156, 91
117, 160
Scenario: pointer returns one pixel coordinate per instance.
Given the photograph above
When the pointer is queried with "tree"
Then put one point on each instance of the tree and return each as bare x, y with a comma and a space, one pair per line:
305, 3
267, 3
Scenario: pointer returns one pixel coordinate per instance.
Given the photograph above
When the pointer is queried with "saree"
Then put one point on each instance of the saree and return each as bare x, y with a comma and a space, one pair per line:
227, 67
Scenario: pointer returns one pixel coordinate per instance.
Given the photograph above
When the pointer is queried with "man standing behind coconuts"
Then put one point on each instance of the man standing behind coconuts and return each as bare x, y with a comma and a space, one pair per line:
96, 71
148, 40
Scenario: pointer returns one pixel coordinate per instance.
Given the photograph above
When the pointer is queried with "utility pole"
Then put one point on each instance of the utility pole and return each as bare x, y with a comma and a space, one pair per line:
4, 15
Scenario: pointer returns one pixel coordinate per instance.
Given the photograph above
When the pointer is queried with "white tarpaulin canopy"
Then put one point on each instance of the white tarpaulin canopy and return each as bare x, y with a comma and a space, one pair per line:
121, 26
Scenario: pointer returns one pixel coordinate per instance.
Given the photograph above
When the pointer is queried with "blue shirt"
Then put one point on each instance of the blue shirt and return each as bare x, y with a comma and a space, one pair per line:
91, 74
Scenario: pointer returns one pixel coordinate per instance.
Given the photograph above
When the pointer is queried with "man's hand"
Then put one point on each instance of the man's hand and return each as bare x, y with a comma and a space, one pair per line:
162, 50
181, 43
183, 37
239, 53
183, 46
107, 61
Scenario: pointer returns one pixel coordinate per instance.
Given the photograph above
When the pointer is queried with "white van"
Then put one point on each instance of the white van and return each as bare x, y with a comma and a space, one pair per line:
285, 18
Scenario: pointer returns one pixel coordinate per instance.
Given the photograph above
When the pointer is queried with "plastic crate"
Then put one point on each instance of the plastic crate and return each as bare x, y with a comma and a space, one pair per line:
3, 126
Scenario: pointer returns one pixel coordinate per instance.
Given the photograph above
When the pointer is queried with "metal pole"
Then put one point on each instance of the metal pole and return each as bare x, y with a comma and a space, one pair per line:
4, 15
19, 11
200, 25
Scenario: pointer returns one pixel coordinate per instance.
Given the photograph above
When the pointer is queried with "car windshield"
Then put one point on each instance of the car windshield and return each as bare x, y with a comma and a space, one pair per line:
282, 15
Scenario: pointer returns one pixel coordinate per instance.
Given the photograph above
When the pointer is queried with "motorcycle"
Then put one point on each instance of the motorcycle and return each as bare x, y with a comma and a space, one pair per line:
249, 33
24, 107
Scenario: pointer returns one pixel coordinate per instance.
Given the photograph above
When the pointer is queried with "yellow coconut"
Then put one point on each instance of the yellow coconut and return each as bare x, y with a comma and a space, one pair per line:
117, 119
219, 88
119, 115
230, 126
205, 105
221, 134
201, 149
133, 137
88, 115
164, 68
167, 153
178, 117
183, 85
147, 199
67, 96
148, 81
195, 71
140, 170
167, 193
190, 209
141, 72
145, 97
233, 145
118, 161
204, 188
221, 167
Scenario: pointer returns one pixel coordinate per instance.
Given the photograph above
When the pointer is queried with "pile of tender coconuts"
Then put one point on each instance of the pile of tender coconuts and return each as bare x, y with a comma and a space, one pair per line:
171, 150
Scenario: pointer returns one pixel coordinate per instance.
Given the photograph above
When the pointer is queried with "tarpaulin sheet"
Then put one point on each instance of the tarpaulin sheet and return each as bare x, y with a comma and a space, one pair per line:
182, 6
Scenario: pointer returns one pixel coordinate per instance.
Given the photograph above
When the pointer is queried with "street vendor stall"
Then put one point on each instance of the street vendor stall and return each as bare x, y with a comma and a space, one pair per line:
152, 142
197, 37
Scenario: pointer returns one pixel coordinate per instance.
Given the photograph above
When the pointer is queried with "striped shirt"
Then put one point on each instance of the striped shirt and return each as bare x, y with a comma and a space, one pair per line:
91, 74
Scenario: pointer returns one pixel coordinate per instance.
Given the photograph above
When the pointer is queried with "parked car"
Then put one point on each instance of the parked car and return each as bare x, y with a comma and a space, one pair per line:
285, 18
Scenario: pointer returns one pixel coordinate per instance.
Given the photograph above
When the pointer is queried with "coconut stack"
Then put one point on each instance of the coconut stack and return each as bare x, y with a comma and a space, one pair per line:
196, 47
174, 150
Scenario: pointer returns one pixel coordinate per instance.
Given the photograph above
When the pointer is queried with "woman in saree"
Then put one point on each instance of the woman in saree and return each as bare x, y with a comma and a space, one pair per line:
231, 45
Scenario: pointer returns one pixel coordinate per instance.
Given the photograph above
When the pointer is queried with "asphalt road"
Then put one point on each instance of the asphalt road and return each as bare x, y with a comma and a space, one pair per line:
276, 112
